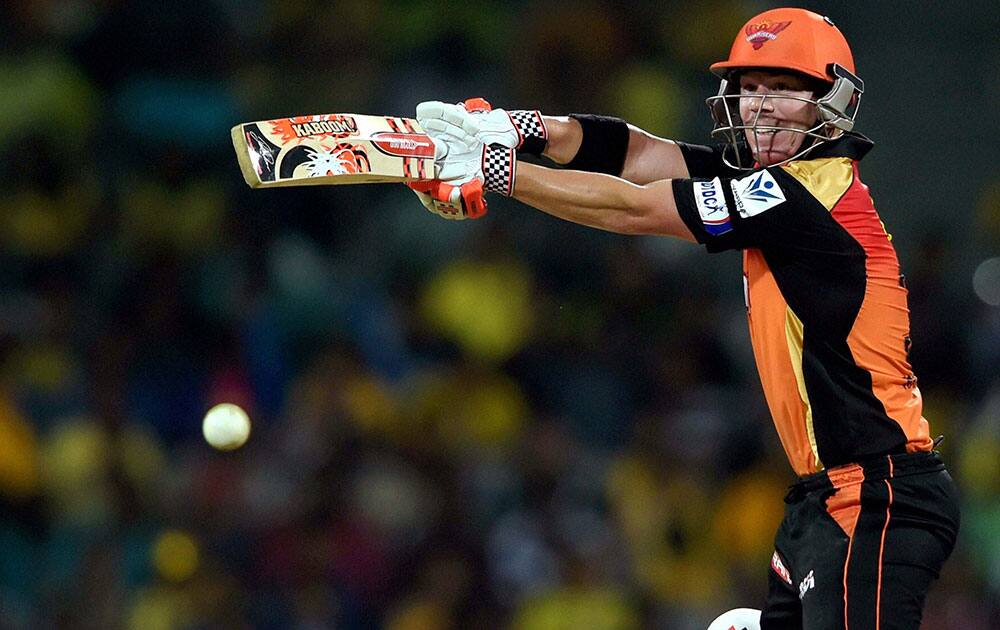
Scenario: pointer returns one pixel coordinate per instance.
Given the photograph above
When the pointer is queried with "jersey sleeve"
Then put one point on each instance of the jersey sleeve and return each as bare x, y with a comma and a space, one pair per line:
703, 160
766, 209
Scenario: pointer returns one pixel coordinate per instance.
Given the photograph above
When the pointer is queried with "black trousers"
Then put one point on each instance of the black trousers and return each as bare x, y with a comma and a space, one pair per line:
860, 545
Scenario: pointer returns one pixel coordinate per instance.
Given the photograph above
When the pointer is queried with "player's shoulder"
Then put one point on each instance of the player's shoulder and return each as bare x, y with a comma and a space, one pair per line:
830, 164
804, 184
826, 179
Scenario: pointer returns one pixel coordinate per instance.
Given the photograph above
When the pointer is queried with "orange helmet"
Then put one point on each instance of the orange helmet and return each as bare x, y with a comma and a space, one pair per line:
792, 39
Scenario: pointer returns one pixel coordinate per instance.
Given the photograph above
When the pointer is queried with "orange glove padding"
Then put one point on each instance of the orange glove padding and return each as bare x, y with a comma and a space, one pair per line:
450, 201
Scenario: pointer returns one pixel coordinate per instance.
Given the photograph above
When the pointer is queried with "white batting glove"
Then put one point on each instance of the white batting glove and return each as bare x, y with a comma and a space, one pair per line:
464, 164
457, 149
466, 156
515, 129
457, 155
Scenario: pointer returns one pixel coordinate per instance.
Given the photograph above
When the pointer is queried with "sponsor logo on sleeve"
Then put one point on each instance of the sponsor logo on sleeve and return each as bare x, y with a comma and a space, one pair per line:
712, 207
756, 193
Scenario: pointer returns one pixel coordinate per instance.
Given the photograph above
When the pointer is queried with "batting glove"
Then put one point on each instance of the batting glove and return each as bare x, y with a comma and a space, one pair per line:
519, 129
466, 155
464, 165
449, 201
456, 156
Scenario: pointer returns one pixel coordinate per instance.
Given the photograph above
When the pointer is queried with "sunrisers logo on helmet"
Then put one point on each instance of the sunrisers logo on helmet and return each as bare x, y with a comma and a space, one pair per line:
760, 34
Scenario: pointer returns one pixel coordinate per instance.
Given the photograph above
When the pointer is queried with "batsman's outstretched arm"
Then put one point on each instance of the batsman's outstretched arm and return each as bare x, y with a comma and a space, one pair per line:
583, 142
485, 148
602, 201
649, 158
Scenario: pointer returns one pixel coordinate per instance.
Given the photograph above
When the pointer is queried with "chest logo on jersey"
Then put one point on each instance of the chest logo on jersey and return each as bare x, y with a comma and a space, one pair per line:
756, 193
712, 207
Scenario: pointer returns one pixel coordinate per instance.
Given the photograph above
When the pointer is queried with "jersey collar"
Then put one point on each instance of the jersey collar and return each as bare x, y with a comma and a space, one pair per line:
850, 145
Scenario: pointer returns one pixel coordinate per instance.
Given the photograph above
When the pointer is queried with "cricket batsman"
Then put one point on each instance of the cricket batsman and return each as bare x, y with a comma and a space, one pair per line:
873, 515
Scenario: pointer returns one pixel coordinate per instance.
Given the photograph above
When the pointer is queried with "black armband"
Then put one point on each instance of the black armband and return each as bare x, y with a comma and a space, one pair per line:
605, 143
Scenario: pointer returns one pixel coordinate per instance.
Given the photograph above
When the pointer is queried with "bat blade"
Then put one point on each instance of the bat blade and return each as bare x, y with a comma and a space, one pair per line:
332, 149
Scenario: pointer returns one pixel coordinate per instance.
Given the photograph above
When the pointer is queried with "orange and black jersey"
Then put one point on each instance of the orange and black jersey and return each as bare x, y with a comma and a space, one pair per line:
825, 300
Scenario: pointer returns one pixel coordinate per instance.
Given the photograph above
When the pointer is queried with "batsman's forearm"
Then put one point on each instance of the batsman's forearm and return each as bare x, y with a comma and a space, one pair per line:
600, 201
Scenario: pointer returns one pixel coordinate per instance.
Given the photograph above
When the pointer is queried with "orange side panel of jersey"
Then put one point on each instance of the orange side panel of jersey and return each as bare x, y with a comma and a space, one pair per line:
845, 505
774, 362
878, 339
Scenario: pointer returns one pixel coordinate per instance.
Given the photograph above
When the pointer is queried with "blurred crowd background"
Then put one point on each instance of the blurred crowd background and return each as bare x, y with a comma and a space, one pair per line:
513, 422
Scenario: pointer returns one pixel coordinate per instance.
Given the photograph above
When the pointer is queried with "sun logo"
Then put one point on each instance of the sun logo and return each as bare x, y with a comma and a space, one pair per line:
760, 34
337, 161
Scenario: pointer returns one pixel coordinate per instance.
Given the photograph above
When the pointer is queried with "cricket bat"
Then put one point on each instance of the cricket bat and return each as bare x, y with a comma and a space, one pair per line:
333, 149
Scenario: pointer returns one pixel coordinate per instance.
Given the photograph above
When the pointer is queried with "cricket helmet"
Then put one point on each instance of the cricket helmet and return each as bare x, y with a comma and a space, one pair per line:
789, 39
792, 40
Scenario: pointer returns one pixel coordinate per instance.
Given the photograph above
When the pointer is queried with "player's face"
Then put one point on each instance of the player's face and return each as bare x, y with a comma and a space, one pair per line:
771, 147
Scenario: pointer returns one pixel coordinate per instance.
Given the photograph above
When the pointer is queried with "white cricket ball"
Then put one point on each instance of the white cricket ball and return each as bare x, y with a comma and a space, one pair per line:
226, 426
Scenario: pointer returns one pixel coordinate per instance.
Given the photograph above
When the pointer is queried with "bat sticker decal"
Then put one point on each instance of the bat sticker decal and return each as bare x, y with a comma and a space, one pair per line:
336, 161
262, 153
330, 149
322, 161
